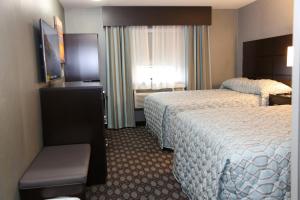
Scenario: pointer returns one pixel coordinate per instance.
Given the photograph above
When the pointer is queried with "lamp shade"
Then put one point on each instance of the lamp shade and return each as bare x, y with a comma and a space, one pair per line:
290, 56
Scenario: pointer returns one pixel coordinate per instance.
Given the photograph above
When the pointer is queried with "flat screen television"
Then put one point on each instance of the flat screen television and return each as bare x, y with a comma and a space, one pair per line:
50, 51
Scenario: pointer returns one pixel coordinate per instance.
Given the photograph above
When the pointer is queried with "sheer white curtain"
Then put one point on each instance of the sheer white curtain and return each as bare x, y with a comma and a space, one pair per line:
158, 58
140, 57
168, 59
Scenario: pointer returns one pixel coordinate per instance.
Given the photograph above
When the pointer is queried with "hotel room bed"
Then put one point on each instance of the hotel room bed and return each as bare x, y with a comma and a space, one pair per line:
236, 153
161, 108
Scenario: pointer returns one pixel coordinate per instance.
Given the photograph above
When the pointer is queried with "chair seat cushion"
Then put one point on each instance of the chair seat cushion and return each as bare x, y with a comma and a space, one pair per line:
58, 166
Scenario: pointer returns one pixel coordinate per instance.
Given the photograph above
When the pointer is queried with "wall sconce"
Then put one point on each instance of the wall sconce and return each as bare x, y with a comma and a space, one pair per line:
290, 56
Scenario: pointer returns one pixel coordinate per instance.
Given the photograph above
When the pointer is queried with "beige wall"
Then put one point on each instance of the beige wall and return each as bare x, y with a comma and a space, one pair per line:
223, 34
88, 21
20, 121
263, 19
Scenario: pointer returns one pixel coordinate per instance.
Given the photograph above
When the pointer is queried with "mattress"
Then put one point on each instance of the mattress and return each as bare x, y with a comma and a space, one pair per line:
236, 153
161, 108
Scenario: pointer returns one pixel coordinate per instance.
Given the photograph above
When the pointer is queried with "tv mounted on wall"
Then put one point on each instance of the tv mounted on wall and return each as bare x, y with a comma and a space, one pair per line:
50, 51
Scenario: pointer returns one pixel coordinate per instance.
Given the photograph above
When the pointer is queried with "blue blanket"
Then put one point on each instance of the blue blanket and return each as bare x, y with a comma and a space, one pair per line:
236, 153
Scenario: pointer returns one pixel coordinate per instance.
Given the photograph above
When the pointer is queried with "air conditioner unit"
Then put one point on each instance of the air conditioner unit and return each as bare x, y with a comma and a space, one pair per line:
140, 95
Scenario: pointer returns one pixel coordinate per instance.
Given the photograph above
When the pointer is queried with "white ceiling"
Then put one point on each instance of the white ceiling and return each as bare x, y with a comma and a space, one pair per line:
218, 4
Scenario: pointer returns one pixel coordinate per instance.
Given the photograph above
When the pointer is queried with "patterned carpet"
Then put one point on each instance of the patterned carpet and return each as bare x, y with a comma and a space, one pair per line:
137, 169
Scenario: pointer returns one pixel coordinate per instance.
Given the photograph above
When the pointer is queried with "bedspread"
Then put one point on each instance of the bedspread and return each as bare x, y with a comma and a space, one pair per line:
161, 108
237, 153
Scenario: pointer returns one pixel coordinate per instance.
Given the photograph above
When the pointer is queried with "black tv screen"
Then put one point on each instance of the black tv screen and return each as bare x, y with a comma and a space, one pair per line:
50, 48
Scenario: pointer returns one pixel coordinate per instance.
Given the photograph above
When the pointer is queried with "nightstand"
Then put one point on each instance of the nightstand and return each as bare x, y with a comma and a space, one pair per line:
280, 99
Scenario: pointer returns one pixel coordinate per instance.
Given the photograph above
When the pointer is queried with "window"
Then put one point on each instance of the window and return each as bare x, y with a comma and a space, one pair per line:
158, 57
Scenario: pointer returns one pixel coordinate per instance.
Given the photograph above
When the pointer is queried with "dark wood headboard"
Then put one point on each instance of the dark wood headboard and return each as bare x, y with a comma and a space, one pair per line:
267, 58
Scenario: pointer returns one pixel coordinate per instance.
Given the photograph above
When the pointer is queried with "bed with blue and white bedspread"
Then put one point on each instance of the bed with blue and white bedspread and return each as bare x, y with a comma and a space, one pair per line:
160, 109
236, 153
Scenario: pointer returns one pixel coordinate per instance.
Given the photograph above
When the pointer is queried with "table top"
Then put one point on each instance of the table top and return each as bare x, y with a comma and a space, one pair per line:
74, 85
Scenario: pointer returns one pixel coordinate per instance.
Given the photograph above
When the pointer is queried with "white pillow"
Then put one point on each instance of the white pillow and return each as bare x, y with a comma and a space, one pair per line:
243, 85
267, 87
263, 87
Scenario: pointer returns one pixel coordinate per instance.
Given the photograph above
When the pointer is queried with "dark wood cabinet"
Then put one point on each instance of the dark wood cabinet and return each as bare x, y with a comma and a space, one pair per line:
81, 57
72, 113
280, 99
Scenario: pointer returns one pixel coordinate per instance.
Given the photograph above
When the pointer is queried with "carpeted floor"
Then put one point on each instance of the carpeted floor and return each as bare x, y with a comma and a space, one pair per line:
137, 169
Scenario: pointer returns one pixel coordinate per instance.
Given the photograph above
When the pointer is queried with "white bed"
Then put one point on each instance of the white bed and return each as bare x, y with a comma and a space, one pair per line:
234, 153
161, 108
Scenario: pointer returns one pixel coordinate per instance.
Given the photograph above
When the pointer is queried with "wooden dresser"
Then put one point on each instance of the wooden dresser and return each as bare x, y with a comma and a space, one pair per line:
72, 113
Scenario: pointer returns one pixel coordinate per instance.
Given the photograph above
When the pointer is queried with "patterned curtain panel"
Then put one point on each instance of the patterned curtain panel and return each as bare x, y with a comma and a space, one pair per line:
120, 105
197, 57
